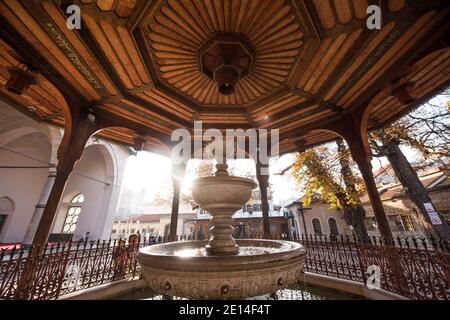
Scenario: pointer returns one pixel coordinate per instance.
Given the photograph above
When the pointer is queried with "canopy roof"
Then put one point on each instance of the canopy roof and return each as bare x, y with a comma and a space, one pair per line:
314, 62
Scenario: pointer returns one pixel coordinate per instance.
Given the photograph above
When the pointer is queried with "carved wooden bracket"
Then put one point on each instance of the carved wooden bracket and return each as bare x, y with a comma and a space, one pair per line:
404, 92
301, 145
20, 79
139, 142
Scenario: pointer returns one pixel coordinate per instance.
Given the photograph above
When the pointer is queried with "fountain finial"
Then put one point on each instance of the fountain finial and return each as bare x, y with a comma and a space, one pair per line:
221, 170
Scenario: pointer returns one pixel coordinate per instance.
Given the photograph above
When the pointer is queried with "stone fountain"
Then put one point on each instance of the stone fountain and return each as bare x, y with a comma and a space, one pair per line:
221, 268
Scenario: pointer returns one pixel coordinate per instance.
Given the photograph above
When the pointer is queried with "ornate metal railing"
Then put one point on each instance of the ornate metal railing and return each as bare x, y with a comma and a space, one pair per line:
414, 268
418, 269
65, 268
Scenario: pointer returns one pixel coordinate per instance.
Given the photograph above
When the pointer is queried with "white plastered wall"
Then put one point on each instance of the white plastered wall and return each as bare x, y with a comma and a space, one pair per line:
98, 175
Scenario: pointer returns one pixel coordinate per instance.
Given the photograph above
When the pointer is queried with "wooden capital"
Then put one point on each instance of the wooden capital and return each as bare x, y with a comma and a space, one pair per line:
139, 143
301, 145
403, 90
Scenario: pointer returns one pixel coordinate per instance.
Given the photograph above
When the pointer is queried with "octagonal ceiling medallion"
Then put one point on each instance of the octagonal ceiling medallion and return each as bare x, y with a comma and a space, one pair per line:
180, 30
226, 58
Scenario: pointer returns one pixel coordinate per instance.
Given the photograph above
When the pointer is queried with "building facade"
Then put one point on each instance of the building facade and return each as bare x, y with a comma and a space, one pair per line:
403, 216
28, 156
248, 222
152, 225
317, 219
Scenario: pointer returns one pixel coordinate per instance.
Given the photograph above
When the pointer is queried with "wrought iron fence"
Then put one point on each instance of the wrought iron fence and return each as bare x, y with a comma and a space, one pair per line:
414, 268
418, 269
65, 268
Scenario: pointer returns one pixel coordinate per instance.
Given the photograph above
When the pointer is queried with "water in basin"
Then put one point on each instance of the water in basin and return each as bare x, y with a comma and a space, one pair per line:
243, 251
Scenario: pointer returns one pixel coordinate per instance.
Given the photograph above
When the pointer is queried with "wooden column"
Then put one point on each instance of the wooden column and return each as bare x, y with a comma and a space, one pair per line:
37, 214
377, 205
350, 129
79, 129
178, 172
195, 230
262, 174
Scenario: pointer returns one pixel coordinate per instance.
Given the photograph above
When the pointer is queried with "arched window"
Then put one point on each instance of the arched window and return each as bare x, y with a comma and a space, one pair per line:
316, 226
333, 228
6, 208
73, 213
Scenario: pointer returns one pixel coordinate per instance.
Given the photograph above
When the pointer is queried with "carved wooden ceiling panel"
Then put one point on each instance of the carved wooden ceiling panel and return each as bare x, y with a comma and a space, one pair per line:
137, 61
429, 73
122, 8
179, 28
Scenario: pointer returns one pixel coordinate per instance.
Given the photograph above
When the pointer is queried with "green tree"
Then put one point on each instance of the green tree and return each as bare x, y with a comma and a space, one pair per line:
317, 169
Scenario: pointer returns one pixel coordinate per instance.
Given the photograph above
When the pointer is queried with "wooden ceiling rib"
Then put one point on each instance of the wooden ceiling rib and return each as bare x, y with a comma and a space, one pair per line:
122, 8
414, 34
60, 21
101, 36
223, 118
306, 120
362, 56
325, 13
280, 104
138, 61
317, 137
120, 134
45, 97
432, 68
360, 8
396, 5
427, 74
140, 118
30, 29
273, 122
156, 97
140, 110
127, 136
329, 61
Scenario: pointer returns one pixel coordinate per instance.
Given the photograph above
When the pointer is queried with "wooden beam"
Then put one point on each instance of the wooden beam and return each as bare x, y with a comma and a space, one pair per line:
33, 57
86, 35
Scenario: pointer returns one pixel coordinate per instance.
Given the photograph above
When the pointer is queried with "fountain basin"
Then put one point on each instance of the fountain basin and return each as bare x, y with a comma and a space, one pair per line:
184, 269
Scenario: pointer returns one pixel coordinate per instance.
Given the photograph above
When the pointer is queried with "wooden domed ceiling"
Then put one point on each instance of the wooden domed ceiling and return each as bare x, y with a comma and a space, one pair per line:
314, 61
179, 28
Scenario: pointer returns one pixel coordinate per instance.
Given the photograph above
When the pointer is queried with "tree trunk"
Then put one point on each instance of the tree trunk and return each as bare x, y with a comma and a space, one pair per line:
413, 187
355, 215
